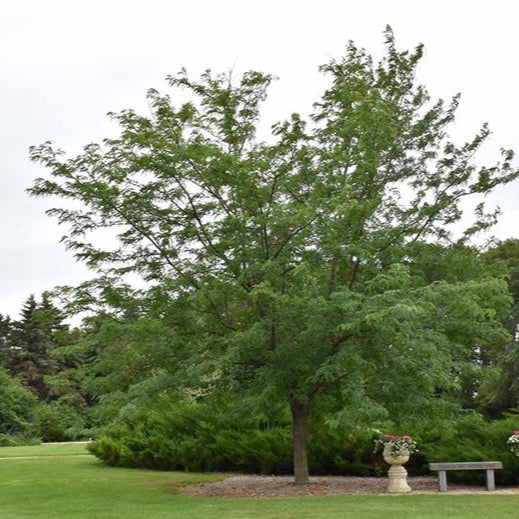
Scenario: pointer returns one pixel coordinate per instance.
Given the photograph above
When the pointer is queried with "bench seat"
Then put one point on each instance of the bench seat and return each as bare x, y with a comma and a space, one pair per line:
488, 466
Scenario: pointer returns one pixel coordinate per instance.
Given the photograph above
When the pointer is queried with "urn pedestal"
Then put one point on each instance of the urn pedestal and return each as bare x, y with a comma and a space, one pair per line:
397, 475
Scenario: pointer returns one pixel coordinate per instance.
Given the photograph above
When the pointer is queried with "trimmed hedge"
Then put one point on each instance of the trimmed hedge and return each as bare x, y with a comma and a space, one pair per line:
189, 436
197, 437
469, 438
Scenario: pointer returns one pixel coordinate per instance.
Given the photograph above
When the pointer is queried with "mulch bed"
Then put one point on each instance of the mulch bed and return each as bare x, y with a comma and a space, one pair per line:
246, 485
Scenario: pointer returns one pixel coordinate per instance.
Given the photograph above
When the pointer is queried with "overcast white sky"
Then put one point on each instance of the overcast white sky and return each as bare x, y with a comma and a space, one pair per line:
64, 64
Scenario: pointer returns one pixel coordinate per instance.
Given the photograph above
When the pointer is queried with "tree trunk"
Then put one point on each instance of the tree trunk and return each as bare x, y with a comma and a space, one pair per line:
300, 414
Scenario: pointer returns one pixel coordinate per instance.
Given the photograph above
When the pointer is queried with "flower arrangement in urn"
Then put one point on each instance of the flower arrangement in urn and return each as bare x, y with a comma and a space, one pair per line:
396, 452
513, 442
397, 446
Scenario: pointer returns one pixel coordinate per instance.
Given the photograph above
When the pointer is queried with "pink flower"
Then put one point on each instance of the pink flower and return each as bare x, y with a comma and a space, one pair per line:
392, 437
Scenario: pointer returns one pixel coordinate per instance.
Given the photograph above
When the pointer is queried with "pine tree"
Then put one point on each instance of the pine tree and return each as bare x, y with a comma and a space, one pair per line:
31, 341
5, 331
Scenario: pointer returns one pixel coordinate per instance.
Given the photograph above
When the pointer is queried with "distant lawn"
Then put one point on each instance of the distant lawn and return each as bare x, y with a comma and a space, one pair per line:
82, 488
46, 449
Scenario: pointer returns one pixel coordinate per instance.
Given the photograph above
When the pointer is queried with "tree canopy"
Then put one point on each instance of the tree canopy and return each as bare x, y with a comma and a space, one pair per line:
289, 267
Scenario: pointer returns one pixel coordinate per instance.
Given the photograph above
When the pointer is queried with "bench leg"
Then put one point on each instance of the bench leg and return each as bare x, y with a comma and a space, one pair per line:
491, 485
442, 480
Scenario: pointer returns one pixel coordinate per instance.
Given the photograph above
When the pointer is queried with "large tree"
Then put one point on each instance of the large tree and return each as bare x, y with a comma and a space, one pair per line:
288, 262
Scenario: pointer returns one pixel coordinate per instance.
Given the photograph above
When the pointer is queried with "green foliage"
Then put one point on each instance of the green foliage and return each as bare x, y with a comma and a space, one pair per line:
114, 364
16, 407
55, 422
9, 440
344, 451
290, 266
500, 388
467, 438
6, 326
29, 343
190, 436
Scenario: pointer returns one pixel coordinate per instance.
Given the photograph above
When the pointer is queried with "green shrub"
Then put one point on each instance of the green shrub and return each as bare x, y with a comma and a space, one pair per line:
343, 451
9, 440
195, 437
55, 422
16, 406
469, 438
199, 437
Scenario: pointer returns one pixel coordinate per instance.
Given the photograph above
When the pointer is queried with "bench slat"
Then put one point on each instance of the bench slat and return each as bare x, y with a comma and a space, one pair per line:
466, 465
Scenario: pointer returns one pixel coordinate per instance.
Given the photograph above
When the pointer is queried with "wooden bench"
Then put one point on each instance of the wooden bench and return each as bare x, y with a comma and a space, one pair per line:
442, 469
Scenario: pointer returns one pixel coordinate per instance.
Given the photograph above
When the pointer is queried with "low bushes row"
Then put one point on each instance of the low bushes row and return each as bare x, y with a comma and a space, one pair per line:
189, 436
197, 437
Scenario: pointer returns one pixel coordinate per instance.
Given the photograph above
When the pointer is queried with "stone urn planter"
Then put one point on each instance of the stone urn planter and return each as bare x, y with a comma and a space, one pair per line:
513, 442
397, 474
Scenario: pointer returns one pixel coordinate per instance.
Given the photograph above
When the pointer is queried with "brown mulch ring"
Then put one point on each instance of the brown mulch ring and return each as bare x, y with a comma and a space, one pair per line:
246, 485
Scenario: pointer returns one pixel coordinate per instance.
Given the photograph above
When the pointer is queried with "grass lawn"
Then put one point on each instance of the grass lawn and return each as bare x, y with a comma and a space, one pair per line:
71, 487
46, 449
